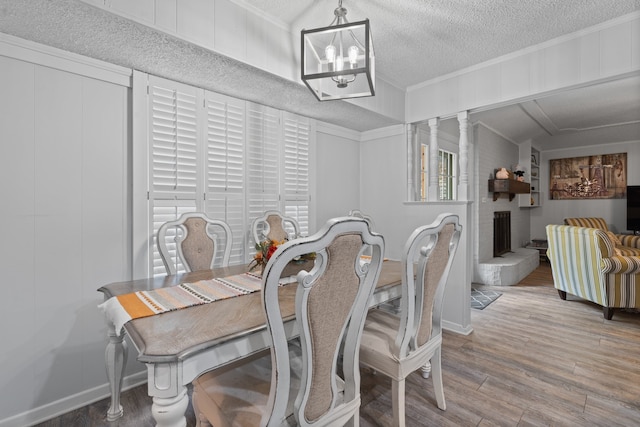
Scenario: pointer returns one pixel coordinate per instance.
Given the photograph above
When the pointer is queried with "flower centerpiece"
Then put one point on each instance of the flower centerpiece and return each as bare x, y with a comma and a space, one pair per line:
266, 248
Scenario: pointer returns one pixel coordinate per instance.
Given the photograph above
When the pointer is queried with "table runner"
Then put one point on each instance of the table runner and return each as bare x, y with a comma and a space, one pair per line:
122, 308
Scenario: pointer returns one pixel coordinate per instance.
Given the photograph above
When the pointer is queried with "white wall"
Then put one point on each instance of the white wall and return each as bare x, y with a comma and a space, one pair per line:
383, 178
612, 210
337, 180
65, 198
495, 152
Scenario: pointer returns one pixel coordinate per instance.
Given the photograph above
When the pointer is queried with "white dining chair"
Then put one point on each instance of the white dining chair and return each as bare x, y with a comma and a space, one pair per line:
195, 241
275, 226
316, 381
359, 214
398, 344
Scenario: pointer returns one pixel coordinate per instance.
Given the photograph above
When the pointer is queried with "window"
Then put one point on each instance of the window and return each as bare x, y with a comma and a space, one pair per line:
447, 174
229, 158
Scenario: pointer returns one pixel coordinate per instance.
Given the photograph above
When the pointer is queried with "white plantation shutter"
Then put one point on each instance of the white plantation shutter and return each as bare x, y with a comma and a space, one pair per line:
296, 140
232, 211
173, 154
163, 211
200, 151
263, 161
173, 132
225, 167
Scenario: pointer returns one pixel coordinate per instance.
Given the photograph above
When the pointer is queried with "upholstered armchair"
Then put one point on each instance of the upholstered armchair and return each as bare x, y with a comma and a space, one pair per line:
584, 263
626, 244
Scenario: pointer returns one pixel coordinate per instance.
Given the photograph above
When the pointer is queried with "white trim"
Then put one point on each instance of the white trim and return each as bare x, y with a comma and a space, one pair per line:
335, 130
522, 52
263, 15
437, 202
454, 327
389, 131
69, 403
140, 175
39, 54
480, 123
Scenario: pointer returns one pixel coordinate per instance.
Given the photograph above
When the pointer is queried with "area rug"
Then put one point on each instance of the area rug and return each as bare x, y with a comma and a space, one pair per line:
482, 298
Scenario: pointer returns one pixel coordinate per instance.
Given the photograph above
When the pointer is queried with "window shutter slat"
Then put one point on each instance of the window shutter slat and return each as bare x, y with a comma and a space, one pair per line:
173, 133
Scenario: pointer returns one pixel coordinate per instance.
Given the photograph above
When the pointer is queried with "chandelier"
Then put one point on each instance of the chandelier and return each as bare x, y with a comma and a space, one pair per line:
338, 61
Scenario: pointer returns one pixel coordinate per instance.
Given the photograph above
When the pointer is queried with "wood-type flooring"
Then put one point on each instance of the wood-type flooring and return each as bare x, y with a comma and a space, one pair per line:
531, 360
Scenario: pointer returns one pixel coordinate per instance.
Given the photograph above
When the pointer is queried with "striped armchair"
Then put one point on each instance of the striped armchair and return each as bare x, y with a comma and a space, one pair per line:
626, 244
584, 263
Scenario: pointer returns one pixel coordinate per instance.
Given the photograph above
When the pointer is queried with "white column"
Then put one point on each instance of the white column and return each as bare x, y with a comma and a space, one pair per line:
411, 163
433, 160
463, 157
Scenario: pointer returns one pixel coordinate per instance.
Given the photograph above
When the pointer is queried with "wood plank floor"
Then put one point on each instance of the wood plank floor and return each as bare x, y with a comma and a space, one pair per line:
532, 360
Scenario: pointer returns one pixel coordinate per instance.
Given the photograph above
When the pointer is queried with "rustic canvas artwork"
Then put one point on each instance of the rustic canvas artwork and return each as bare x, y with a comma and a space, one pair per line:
590, 177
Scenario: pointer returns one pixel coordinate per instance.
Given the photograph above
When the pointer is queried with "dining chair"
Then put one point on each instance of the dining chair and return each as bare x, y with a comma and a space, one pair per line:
273, 225
399, 344
200, 242
359, 214
314, 381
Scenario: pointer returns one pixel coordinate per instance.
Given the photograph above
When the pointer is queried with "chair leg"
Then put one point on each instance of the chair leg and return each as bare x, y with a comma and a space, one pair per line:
436, 369
201, 420
563, 294
608, 312
354, 421
426, 370
397, 402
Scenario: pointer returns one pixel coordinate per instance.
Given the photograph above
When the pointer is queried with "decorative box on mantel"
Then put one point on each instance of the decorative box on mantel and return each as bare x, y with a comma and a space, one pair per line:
510, 186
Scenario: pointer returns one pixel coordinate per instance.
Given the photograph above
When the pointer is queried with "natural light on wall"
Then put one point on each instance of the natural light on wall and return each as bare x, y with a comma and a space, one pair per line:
447, 177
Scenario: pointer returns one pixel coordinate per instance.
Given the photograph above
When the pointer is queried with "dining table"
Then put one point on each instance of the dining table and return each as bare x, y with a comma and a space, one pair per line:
177, 346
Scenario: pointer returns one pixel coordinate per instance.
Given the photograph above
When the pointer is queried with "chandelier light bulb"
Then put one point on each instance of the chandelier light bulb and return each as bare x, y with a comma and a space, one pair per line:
330, 53
353, 56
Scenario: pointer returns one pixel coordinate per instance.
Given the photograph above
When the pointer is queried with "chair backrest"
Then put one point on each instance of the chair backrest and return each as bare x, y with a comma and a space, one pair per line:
199, 240
359, 214
273, 226
594, 222
426, 262
331, 305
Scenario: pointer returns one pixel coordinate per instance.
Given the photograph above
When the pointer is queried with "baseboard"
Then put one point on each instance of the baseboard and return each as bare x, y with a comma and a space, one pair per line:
454, 327
69, 403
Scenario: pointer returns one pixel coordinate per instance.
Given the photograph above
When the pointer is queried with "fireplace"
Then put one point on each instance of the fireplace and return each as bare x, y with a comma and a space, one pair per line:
501, 233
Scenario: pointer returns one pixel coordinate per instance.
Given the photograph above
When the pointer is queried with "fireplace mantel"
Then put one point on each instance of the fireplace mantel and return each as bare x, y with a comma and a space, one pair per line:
510, 186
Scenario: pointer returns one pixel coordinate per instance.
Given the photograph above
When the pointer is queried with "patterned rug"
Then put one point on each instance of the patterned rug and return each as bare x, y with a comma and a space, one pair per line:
482, 298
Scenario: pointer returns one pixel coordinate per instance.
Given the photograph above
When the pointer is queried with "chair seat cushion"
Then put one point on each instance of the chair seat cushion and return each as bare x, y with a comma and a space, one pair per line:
377, 342
237, 395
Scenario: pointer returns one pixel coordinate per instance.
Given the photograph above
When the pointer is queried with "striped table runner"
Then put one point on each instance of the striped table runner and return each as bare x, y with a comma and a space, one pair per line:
122, 308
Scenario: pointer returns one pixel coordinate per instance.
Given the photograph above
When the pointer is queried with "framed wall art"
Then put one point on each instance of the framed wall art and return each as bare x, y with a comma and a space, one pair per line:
588, 177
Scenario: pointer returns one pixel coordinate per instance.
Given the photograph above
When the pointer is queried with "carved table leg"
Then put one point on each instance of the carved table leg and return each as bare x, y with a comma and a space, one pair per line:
169, 411
116, 358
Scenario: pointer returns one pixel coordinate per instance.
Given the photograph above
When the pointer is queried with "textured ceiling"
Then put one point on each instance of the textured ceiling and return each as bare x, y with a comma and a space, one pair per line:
415, 40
